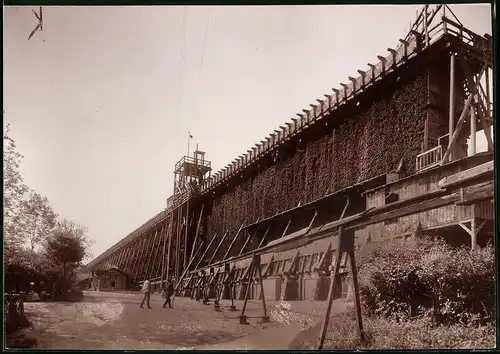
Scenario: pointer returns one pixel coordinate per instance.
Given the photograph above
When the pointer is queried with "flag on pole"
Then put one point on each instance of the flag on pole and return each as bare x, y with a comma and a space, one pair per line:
190, 136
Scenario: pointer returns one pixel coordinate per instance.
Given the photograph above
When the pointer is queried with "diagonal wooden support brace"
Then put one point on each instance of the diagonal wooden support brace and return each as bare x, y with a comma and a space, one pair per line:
470, 86
461, 120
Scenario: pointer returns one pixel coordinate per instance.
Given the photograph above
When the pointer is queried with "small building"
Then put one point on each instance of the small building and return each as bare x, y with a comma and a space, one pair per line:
112, 279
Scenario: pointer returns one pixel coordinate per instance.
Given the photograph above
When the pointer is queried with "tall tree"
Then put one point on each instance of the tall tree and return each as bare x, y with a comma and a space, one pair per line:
79, 232
36, 220
14, 189
65, 248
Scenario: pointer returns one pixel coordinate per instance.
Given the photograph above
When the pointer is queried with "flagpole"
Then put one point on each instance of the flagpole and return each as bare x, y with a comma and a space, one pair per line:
189, 138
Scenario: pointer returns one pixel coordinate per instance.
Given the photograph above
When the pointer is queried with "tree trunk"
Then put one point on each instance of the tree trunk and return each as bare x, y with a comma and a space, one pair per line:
64, 276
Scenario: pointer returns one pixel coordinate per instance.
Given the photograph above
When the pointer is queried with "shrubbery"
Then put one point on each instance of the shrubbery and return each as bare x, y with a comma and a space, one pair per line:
420, 294
418, 333
399, 281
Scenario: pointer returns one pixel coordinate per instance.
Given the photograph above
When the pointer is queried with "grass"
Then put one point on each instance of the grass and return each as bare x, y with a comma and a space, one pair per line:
385, 334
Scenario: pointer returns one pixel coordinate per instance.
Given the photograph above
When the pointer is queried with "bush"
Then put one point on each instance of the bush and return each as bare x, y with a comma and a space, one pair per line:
400, 281
418, 333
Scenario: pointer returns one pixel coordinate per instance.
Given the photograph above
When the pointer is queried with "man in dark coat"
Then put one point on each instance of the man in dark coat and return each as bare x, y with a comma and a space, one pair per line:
169, 291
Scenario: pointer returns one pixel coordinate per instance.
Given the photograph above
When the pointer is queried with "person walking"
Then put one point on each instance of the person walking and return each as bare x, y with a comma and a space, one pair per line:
169, 291
146, 289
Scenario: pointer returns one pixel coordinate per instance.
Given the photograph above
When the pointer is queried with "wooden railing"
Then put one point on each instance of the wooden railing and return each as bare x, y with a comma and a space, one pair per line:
429, 158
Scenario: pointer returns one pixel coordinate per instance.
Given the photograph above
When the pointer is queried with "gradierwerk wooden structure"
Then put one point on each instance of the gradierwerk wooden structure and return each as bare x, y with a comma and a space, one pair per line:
385, 156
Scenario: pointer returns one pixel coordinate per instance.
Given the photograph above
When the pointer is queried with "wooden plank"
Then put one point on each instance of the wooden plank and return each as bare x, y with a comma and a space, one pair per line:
478, 194
409, 210
205, 253
218, 246
196, 236
484, 170
232, 243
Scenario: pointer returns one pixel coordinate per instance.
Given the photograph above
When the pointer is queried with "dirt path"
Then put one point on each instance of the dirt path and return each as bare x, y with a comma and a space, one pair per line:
115, 321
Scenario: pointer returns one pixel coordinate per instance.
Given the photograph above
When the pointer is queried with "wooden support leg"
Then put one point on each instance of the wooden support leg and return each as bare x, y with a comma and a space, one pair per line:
474, 230
473, 234
243, 318
331, 291
357, 302
472, 132
265, 318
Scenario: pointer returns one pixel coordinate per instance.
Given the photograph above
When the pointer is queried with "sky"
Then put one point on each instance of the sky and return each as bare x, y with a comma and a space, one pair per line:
101, 102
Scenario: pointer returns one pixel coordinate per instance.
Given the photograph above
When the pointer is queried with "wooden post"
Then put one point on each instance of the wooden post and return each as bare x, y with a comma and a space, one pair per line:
263, 238
426, 28
265, 318
287, 226
232, 243
331, 290
186, 236
473, 88
357, 300
196, 236
451, 120
154, 254
473, 233
151, 252
165, 229
169, 247
205, 252
218, 246
250, 236
187, 267
345, 245
178, 241
467, 105
488, 105
473, 132
243, 318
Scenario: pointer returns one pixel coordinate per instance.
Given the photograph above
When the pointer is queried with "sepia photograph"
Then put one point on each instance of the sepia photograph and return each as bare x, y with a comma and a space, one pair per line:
299, 177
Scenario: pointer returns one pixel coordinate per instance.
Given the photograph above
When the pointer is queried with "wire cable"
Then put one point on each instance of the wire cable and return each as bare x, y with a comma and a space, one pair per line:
181, 69
207, 23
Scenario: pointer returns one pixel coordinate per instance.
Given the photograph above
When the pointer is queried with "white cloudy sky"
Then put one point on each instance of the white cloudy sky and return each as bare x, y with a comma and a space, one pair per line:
100, 102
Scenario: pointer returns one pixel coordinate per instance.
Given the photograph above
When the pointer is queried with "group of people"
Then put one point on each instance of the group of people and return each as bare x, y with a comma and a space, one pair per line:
167, 292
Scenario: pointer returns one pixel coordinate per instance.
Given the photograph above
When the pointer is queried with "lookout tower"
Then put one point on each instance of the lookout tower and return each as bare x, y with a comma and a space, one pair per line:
189, 174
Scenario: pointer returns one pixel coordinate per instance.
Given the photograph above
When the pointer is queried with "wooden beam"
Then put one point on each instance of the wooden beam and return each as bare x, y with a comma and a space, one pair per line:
293, 263
451, 109
196, 236
218, 246
169, 247
145, 257
250, 236
178, 242
460, 122
187, 268
473, 88
156, 250
232, 243
309, 227
139, 262
483, 171
151, 254
263, 238
205, 252
408, 210
463, 226
485, 192
287, 226
185, 260
163, 255
321, 263
268, 266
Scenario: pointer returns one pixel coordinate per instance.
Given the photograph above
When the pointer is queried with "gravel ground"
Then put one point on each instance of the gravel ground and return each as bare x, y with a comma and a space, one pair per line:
115, 321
